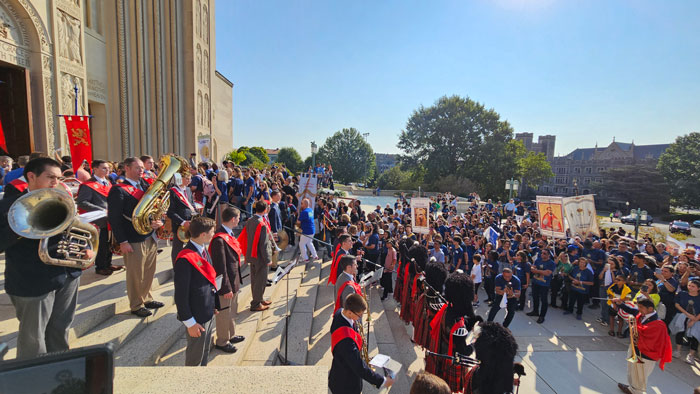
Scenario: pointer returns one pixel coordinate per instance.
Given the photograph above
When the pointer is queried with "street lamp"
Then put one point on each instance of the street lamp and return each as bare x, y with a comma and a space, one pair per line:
575, 187
314, 149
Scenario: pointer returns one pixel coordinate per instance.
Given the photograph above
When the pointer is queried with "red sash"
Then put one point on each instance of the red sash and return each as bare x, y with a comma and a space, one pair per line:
243, 240
183, 199
338, 301
232, 242
148, 177
345, 332
19, 185
98, 187
457, 325
435, 329
334, 267
134, 192
199, 263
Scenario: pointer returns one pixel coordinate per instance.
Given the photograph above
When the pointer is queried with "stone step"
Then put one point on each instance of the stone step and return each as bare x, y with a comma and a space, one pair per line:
221, 380
149, 345
124, 326
262, 330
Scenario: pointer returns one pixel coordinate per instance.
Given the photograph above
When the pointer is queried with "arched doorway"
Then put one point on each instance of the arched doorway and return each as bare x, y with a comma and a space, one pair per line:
26, 79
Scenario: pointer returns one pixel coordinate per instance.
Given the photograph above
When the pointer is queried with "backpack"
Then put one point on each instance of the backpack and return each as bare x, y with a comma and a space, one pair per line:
208, 189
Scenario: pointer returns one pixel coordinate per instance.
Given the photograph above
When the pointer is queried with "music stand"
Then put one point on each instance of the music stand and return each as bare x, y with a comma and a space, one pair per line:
281, 273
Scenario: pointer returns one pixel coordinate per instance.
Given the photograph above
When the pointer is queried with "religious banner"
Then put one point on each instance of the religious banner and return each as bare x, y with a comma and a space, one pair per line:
420, 215
308, 188
581, 215
204, 147
79, 139
673, 246
550, 211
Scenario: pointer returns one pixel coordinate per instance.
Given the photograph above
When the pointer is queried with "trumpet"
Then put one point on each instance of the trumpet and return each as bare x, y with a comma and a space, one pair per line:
45, 213
634, 336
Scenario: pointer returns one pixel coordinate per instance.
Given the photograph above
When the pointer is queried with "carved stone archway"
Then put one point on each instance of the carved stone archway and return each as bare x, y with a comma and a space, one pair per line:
25, 42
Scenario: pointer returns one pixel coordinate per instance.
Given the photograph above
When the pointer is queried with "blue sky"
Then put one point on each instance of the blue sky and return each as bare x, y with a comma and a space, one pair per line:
583, 70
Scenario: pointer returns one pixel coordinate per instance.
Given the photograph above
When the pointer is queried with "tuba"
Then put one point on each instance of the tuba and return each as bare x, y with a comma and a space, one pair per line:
45, 213
155, 202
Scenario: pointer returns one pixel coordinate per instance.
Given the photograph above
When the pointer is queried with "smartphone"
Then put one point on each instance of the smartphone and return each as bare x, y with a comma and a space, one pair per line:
658, 270
88, 370
645, 288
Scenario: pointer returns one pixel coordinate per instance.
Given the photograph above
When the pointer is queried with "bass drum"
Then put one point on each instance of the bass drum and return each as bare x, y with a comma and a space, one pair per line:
624, 314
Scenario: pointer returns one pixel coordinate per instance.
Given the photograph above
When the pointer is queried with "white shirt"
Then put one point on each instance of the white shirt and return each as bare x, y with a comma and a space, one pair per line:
136, 184
228, 230
476, 273
647, 316
102, 180
200, 249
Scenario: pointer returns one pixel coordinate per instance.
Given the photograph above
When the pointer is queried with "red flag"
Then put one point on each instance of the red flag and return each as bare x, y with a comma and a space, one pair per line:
3, 144
79, 140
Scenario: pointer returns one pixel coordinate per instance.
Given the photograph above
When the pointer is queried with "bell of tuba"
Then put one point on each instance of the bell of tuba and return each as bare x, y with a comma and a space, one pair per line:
155, 202
45, 213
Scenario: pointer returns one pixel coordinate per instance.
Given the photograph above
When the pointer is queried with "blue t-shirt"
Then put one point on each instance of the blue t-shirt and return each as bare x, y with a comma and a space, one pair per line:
237, 185
306, 217
250, 183
373, 240
639, 275
501, 282
683, 299
584, 275
223, 188
493, 266
543, 280
12, 175
521, 271
627, 256
458, 258
663, 292
196, 181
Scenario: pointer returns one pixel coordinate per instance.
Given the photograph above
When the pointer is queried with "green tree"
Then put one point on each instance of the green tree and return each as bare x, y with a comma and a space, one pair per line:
235, 157
307, 163
393, 178
459, 136
534, 168
680, 167
350, 155
291, 158
252, 161
260, 153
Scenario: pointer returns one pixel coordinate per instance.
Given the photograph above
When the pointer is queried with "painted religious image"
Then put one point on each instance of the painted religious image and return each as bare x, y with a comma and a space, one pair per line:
551, 216
420, 215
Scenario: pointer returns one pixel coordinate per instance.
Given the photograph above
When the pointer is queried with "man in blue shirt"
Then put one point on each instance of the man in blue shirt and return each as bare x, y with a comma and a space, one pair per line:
17, 172
436, 252
248, 191
624, 253
507, 286
306, 222
581, 280
541, 279
457, 255
639, 272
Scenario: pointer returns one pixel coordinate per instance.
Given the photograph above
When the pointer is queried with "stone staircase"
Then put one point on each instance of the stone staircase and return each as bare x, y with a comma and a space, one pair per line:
159, 341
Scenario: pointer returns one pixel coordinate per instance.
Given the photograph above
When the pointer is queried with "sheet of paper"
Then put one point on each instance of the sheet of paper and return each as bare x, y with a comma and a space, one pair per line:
89, 217
379, 360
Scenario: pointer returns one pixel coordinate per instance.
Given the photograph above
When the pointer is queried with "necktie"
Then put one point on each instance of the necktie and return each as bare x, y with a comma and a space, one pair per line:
206, 255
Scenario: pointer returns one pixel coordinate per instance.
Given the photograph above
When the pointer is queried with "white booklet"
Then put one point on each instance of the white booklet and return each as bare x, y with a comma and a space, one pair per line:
382, 362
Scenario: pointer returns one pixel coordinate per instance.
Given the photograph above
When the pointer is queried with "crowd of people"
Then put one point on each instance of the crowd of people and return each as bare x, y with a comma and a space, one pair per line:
434, 277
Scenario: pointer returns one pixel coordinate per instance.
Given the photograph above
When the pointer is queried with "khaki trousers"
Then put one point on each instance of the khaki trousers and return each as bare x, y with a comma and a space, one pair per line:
225, 324
140, 270
638, 374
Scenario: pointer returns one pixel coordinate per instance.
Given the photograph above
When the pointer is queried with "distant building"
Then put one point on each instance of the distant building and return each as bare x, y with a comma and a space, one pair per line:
385, 161
544, 144
577, 171
272, 154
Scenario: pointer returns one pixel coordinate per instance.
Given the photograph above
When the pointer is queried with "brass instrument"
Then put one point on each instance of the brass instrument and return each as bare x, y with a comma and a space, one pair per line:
365, 336
45, 213
634, 336
155, 202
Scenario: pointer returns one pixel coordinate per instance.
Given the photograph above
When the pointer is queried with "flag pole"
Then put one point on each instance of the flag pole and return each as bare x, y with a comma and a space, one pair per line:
75, 87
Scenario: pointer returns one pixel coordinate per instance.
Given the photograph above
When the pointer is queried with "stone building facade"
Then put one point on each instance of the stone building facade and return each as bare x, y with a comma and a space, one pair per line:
144, 69
544, 144
576, 172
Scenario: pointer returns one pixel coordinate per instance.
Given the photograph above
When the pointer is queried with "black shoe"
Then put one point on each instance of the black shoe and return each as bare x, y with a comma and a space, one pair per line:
533, 313
143, 312
154, 304
237, 338
103, 271
228, 348
268, 284
269, 281
594, 306
540, 320
553, 305
273, 269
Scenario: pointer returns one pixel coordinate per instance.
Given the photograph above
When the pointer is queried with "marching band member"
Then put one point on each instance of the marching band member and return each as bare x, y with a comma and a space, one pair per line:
256, 243
149, 173
44, 296
92, 196
344, 246
653, 345
429, 302
449, 330
180, 211
139, 251
346, 283
195, 291
225, 254
348, 368
495, 348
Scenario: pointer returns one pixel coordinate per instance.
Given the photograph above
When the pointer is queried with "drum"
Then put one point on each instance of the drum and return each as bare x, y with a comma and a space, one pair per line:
165, 232
283, 239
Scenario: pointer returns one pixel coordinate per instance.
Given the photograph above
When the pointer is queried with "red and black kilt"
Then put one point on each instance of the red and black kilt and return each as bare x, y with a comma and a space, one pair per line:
420, 322
406, 313
398, 287
454, 375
